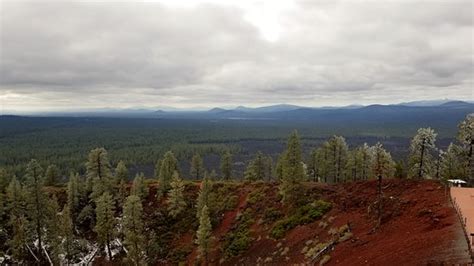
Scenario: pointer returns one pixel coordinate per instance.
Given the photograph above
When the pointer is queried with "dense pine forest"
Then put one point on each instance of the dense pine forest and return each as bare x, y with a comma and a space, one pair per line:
98, 214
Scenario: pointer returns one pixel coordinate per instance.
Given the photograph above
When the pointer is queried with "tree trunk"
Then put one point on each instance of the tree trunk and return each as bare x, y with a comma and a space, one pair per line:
420, 171
379, 200
108, 249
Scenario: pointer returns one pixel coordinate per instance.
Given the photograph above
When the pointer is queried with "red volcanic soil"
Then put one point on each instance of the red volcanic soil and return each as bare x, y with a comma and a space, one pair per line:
419, 226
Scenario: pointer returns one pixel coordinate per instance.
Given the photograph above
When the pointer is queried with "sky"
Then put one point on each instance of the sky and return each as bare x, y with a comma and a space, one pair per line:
70, 55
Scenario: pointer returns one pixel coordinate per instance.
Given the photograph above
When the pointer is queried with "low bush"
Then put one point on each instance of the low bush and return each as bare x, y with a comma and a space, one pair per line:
303, 215
239, 239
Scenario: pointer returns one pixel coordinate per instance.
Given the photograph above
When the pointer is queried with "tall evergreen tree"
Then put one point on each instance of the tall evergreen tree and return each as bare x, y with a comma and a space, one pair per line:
134, 230
176, 202
292, 169
382, 163
121, 172
169, 165
268, 171
256, 168
157, 169
4, 180
197, 167
421, 160
106, 225
466, 138
451, 163
52, 175
36, 202
66, 230
17, 243
204, 196
279, 167
53, 237
337, 158
139, 187
226, 165
74, 196
98, 172
203, 234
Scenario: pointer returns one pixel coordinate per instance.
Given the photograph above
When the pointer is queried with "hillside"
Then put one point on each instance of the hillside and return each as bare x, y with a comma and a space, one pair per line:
419, 226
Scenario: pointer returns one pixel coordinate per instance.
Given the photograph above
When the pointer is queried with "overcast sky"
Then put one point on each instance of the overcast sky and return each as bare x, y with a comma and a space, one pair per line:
61, 55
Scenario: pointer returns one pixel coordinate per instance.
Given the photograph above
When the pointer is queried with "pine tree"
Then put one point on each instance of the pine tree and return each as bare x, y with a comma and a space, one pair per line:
203, 233
358, 163
106, 225
197, 168
15, 198
421, 160
204, 195
226, 165
98, 173
279, 167
139, 187
74, 196
157, 169
383, 166
466, 138
134, 230
256, 168
313, 165
268, 171
121, 172
66, 231
52, 175
53, 238
337, 158
36, 201
451, 163
293, 171
176, 202
19, 241
168, 166
4, 180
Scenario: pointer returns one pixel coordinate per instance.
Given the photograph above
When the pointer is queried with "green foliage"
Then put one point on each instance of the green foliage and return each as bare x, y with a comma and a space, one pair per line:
106, 224
421, 164
204, 196
99, 177
134, 229
382, 164
169, 165
139, 187
226, 165
197, 167
176, 202
238, 240
257, 168
303, 215
292, 169
121, 172
271, 214
52, 175
4, 180
203, 234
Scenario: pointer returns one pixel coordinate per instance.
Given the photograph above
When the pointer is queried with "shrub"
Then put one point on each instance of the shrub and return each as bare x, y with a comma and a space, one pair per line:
239, 239
303, 215
272, 214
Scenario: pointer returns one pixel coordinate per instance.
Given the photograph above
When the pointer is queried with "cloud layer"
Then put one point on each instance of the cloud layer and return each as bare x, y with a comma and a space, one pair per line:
61, 55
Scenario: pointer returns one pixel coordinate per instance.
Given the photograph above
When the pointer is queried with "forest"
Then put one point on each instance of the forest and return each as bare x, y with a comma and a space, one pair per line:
98, 214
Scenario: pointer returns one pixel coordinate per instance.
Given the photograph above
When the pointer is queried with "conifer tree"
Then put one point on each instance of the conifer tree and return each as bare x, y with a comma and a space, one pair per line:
382, 163
176, 202
204, 196
122, 192
52, 175
292, 169
134, 230
169, 165
15, 198
4, 180
66, 229
36, 202
466, 138
256, 168
18, 242
279, 167
226, 165
451, 163
197, 167
106, 225
313, 165
74, 196
157, 169
98, 173
139, 187
268, 171
121, 172
421, 160
53, 238
203, 233
337, 158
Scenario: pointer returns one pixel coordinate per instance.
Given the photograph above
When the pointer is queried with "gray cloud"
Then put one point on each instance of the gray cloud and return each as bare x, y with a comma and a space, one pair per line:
72, 54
